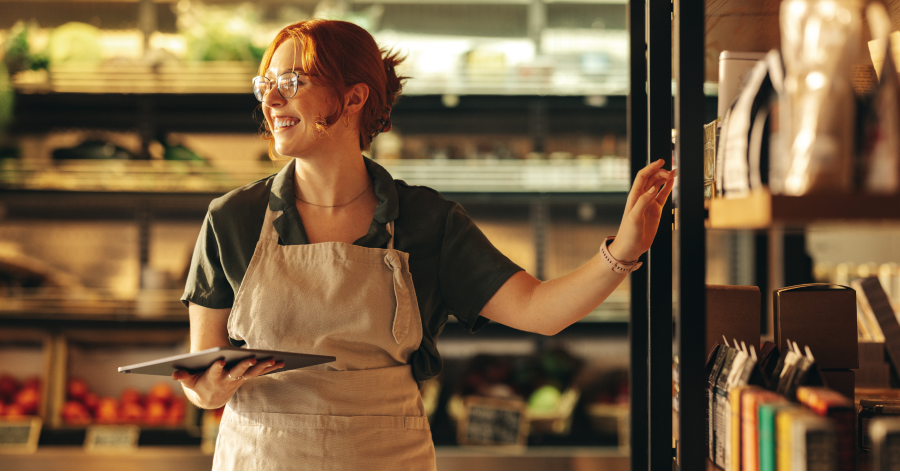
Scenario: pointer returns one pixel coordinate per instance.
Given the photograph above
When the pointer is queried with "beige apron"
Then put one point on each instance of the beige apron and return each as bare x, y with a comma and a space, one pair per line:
361, 412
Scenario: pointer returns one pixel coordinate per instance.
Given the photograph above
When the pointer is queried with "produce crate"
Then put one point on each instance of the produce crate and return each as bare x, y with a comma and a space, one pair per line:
611, 419
88, 375
544, 382
25, 372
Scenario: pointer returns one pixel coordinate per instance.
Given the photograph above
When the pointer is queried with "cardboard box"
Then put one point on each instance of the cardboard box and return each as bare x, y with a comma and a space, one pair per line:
821, 316
874, 368
871, 352
842, 381
733, 311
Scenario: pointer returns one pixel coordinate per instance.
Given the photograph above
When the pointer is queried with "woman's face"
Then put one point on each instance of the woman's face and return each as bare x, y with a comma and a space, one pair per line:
292, 120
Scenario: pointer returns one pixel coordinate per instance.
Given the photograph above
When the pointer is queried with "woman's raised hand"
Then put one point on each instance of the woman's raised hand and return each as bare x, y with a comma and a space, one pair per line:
213, 387
643, 210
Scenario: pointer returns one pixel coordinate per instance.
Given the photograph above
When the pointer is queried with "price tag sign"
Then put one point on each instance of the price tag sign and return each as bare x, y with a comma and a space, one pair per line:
111, 438
20, 435
491, 421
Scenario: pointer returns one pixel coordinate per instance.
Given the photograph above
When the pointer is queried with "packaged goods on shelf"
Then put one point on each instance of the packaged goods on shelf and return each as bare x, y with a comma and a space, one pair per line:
805, 441
543, 384
871, 410
886, 444
160, 406
817, 117
26, 357
874, 302
821, 316
880, 140
20, 397
94, 393
874, 367
768, 413
793, 128
828, 403
736, 371
732, 312
751, 399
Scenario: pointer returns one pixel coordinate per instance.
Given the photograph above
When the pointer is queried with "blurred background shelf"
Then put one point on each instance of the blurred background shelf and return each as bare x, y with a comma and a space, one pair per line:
516, 109
607, 175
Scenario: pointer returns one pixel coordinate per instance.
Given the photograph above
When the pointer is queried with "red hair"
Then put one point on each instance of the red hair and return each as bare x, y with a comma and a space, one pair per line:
339, 55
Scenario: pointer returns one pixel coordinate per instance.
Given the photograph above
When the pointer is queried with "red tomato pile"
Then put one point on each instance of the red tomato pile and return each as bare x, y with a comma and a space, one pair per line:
19, 398
159, 407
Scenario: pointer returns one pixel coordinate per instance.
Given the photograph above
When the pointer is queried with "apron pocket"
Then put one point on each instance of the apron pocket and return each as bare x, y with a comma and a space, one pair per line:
282, 441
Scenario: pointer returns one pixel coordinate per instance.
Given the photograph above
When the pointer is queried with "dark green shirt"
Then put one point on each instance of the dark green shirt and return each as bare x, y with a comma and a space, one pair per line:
455, 269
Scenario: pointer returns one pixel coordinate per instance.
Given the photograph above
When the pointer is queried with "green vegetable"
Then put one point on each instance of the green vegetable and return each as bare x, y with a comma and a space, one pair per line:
18, 55
7, 98
180, 153
544, 399
75, 42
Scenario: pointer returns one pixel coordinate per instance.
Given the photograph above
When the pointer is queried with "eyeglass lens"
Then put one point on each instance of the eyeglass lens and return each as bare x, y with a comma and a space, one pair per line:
287, 84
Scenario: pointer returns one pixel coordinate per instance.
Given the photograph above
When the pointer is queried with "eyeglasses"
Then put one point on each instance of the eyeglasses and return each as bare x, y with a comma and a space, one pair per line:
286, 83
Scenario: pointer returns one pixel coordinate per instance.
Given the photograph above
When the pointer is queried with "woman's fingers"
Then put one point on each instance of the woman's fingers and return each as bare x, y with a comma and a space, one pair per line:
646, 177
185, 378
278, 365
259, 368
645, 200
665, 191
238, 371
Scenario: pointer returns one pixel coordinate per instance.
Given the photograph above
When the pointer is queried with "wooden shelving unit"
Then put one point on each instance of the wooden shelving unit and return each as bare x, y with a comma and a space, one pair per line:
761, 210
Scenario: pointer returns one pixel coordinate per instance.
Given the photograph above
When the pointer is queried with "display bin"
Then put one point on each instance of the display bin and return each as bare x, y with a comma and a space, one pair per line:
544, 382
26, 355
94, 356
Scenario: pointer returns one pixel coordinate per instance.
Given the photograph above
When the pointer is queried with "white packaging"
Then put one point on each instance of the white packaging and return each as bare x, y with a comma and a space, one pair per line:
733, 69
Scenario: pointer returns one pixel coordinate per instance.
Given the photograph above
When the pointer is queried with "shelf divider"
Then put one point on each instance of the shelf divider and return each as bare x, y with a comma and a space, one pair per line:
639, 318
659, 258
690, 314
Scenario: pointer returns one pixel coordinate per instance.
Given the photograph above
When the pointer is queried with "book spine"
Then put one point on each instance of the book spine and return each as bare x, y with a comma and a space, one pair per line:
767, 453
784, 440
719, 429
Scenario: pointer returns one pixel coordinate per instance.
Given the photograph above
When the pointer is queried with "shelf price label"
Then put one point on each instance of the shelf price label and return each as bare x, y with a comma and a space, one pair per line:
20, 435
491, 421
111, 438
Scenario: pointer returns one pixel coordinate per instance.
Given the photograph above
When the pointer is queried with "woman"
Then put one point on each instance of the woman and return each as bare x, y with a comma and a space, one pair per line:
332, 256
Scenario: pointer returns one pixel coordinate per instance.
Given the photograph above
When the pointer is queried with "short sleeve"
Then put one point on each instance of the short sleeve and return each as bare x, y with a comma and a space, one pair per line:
207, 284
471, 269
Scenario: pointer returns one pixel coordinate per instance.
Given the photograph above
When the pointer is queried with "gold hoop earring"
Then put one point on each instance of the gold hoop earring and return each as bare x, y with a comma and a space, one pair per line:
346, 121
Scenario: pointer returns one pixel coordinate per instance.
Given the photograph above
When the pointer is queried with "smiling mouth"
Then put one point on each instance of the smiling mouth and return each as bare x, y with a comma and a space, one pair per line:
284, 123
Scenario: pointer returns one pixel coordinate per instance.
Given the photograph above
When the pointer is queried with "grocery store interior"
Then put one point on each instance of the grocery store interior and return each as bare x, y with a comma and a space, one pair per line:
120, 120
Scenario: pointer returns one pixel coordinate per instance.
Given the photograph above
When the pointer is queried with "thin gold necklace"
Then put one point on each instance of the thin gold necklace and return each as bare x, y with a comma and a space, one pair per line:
339, 205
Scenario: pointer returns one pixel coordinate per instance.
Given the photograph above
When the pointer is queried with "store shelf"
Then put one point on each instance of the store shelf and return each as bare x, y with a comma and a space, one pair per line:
45, 305
607, 175
762, 210
235, 77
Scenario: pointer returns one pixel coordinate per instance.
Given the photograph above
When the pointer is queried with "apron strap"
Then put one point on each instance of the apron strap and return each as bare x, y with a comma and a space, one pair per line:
390, 229
403, 314
268, 229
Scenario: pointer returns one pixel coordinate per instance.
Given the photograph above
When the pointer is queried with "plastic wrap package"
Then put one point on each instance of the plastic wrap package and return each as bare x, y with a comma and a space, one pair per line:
819, 39
880, 146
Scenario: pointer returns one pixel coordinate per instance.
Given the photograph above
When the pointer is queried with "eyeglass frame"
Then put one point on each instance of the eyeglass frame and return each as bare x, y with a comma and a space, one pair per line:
270, 84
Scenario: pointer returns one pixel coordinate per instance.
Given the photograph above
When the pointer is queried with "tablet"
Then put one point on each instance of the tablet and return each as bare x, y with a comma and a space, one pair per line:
196, 362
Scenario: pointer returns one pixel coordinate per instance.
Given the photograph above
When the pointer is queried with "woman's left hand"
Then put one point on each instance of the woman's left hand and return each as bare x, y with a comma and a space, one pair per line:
643, 210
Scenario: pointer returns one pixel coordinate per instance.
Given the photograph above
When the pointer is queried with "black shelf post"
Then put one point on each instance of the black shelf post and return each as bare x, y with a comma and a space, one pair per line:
690, 324
638, 322
659, 258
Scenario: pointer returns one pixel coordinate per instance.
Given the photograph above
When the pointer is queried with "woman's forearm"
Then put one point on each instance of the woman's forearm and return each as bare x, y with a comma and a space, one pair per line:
573, 296
528, 304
